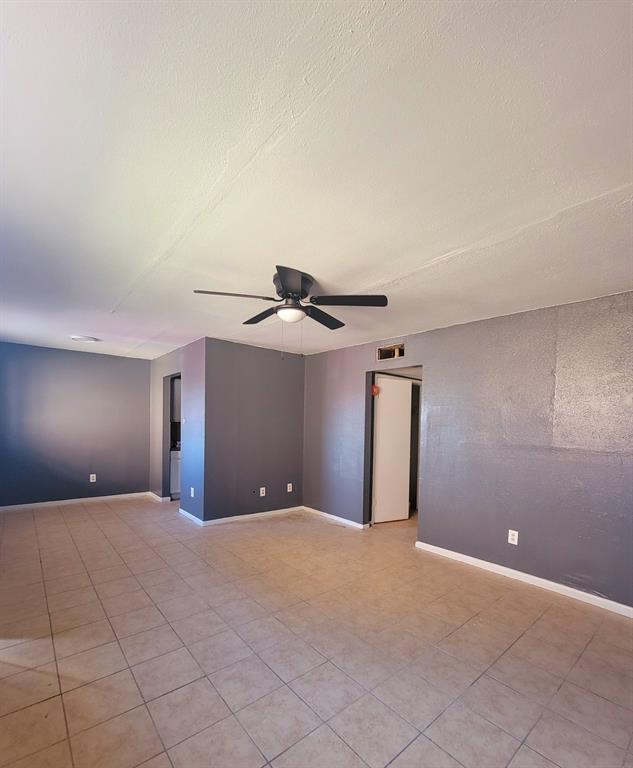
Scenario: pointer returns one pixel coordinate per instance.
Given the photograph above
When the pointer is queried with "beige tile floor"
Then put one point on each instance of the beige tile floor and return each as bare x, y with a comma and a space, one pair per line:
129, 636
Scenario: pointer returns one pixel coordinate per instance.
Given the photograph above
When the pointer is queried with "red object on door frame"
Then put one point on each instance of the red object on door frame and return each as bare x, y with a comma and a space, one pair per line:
375, 390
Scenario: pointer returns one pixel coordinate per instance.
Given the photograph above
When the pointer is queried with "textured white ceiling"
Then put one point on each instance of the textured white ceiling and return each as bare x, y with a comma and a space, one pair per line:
469, 159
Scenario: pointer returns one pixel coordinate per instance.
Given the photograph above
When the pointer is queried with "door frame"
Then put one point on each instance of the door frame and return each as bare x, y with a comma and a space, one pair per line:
166, 441
368, 463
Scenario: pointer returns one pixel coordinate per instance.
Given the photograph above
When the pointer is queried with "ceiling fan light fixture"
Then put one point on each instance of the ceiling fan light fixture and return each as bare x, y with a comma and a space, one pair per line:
291, 314
293, 287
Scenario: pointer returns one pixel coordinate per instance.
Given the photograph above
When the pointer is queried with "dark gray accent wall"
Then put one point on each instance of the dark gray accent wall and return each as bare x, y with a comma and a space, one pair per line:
254, 429
526, 424
67, 414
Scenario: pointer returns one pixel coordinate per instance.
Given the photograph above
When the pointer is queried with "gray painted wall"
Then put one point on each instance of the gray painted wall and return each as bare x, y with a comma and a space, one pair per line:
68, 414
242, 428
525, 425
193, 408
254, 429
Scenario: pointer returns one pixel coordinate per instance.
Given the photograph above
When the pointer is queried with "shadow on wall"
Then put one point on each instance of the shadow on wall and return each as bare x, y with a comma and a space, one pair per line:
69, 414
39, 457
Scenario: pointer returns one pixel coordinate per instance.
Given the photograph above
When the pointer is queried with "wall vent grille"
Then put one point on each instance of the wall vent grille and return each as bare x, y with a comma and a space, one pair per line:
390, 352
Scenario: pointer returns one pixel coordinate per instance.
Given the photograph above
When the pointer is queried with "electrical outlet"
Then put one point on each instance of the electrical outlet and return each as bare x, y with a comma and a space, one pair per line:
262, 490
513, 537
192, 493
93, 478
289, 487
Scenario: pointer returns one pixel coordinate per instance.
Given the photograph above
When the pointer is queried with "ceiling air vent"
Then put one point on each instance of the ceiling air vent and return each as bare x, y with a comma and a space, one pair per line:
390, 353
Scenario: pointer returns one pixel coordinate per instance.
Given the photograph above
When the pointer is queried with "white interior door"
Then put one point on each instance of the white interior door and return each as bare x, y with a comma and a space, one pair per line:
392, 449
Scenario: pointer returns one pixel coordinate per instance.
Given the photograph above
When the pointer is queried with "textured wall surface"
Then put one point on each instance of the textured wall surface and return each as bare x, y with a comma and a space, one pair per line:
254, 429
525, 425
66, 415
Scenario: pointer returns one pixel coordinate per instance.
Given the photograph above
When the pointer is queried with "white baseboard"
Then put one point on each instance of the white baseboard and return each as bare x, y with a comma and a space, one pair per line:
156, 497
191, 517
536, 581
270, 513
238, 518
336, 518
37, 504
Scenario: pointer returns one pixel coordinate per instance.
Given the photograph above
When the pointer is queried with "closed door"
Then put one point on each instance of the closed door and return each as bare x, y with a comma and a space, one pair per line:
392, 449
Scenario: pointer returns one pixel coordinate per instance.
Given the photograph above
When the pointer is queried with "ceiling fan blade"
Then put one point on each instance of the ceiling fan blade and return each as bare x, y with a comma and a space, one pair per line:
350, 301
322, 317
261, 316
290, 280
238, 295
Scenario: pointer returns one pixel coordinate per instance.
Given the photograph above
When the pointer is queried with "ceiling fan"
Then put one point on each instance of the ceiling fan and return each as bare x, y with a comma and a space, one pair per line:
293, 287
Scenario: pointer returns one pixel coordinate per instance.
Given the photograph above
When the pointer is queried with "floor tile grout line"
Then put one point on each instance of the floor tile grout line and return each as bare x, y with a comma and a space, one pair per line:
284, 683
436, 642
324, 723
151, 717
527, 735
72, 751
366, 692
59, 682
206, 677
422, 734
146, 702
545, 706
143, 701
563, 679
457, 698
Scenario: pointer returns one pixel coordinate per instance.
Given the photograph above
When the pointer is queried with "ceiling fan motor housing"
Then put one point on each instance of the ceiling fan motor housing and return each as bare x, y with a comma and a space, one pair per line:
306, 286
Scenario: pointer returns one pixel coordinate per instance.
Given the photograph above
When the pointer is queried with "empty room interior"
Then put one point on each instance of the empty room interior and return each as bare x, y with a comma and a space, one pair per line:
316, 364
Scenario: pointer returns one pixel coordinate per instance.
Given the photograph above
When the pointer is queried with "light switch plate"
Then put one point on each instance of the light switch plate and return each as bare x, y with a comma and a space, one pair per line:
513, 537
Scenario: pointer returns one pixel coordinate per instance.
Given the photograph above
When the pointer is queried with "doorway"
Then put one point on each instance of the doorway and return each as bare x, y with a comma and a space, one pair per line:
395, 444
171, 436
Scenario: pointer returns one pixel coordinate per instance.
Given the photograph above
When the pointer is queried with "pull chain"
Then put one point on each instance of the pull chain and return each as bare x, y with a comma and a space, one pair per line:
283, 345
